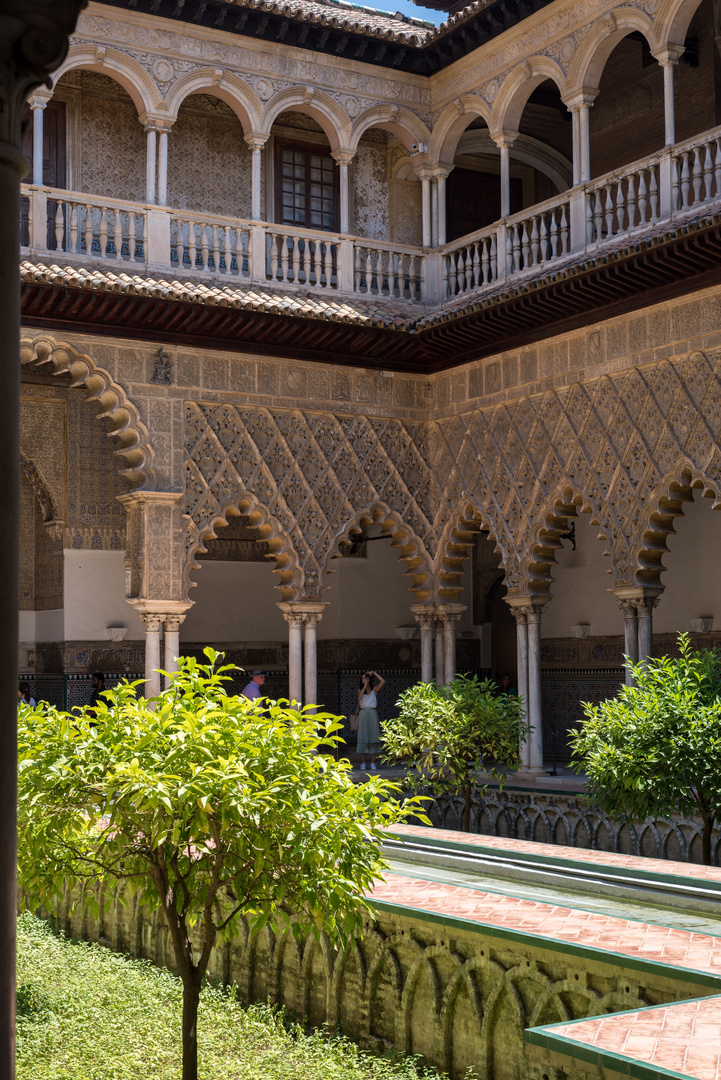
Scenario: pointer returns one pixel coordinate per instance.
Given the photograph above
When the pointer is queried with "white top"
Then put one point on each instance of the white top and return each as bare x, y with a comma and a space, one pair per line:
368, 701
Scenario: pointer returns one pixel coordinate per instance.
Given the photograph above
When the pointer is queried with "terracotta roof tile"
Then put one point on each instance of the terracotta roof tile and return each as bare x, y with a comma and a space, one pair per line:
353, 18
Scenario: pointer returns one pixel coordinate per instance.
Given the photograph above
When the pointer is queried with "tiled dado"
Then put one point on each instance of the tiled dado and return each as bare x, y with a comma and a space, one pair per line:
681, 1039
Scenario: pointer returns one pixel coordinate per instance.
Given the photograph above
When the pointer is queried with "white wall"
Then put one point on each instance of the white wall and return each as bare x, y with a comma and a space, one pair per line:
580, 587
234, 602
693, 578
95, 597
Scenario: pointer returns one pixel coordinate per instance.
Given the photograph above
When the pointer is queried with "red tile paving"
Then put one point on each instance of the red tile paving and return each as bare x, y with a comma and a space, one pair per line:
580, 855
624, 937
684, 1038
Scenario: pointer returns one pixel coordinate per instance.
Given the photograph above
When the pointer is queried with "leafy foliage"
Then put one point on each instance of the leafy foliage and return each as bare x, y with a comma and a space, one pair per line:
208, 806
104, 1017
452, 731
655, 749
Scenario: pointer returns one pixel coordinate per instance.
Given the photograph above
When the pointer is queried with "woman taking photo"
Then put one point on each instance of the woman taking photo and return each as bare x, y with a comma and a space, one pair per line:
369, 730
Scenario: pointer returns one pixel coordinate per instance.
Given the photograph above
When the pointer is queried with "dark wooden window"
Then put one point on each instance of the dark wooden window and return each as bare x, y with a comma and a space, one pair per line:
306, 187
473, 200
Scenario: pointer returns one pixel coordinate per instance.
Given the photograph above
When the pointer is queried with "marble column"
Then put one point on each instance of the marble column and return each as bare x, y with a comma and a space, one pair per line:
434, 214
172, 642
584, 140
343, 159
504, 142
163, 167
151, 162
295, 655
535, 717
630, 628
425, 621
311, 658
668, 56
644, 608
256, 142
426, 209
519, 614
440, 653
449, 651
441, 177
153, 627
38, 110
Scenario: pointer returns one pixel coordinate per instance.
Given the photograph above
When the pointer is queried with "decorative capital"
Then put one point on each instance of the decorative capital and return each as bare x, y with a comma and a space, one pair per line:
342, 156
173, 623
153, 622
256, 140
35, 42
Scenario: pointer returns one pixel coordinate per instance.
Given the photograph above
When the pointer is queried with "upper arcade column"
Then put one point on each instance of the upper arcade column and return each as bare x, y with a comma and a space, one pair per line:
579, 105
343, 159
38, 102
504, 140
157, 129
668, 56
256, 140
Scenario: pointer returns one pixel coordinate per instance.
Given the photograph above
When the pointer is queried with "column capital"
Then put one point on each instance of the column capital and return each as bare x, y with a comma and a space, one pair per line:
638, 594
342, 156
152, 621
441, 172
155, 122
162, 608
305, 612
668, 54
173, 622
523, 607
256, 140
582, 98
504, 138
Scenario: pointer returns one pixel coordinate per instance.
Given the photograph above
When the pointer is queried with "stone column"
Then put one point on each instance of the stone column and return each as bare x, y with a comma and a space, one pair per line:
504, 141
311, 658
163, 167
343, 159
256, 141
172, 642
150, 162
668, 56
449, 651
441, 177
34, 37
434, 214
644, 608
535, 712
522, 673
576, 142
38, 109
426, 208
440, 653
579, 105
425, 621
153, 626
295, 622
630, 628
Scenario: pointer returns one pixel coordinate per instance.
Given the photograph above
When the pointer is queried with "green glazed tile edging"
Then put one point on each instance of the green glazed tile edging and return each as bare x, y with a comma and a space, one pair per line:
547, 1039
550, 860
676, 973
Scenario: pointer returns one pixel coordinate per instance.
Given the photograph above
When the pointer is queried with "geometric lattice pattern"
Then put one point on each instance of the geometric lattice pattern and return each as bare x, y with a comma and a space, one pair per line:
622, 447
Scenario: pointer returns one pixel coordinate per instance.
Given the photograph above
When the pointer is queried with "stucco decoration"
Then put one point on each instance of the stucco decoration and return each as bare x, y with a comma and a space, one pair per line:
115, 404
117, 65
112, 161
370, 193
208, 161
312, 474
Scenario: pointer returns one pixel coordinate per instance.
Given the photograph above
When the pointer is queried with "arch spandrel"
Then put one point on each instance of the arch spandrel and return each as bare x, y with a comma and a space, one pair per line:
124, 415
673, 19
401, 122
117, 65
452, 122
518, 86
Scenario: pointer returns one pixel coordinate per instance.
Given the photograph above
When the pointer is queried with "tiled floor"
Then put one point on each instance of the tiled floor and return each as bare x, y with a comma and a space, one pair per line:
685, 1038
582, 855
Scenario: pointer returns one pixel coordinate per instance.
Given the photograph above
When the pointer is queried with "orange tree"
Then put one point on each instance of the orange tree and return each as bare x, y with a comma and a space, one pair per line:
208, 807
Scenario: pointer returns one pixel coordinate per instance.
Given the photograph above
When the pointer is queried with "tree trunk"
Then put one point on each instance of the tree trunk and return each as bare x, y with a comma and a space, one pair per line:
708, 824
191, 998
467, 792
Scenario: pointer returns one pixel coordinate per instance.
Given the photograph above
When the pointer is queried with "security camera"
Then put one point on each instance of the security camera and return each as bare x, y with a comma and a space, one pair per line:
419, 148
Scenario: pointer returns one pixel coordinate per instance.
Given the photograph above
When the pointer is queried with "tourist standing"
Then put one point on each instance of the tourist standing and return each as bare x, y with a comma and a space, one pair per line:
369, 730
252, 690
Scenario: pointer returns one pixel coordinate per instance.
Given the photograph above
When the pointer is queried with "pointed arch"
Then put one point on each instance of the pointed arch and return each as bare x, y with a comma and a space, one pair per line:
117, 65
287, 564
411, 547
604, 36
115, 403
401, 122
237, 94
314, 103
452, 122
518, 86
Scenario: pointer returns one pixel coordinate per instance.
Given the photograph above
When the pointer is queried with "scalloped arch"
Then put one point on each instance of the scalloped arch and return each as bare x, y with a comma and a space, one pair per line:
117, 65
401, 122
126, 423
230, 88
604, 36
281, 546
412, 550
454, 547
320, 106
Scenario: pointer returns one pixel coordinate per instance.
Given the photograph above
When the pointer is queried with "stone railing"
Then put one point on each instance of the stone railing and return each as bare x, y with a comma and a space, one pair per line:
665, 187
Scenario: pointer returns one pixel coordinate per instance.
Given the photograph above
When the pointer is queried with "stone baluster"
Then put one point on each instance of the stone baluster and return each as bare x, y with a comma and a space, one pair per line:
426, 622
153, 628
172, 641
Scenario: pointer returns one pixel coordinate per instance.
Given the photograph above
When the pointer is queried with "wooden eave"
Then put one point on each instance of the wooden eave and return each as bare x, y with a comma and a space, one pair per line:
627, 280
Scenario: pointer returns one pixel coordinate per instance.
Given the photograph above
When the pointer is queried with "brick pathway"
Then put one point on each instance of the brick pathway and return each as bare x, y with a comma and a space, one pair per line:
578, 855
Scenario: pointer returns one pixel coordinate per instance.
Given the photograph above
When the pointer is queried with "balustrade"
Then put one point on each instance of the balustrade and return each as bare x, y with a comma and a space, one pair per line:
663, 188
215, 245
387, 271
